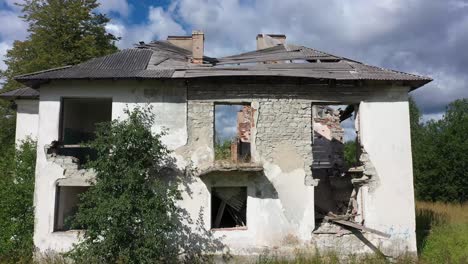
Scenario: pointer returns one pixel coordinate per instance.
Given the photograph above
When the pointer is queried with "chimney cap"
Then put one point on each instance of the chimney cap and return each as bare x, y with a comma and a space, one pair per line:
197, 32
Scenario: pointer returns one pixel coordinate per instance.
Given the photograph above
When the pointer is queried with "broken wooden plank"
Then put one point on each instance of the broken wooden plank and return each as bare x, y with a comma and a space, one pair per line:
359, 227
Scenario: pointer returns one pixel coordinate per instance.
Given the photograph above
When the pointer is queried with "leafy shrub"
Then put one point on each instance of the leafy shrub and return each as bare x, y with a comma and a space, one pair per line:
222, 150
16, 203
129, 213
350, 156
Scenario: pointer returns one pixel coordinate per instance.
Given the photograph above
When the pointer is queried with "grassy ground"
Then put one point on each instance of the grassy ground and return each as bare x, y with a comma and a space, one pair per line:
442, 232
442, 238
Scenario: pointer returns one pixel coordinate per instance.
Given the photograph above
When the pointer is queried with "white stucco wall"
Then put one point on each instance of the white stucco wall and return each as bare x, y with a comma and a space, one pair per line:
166, 106
27, 119
271, 217
389, 199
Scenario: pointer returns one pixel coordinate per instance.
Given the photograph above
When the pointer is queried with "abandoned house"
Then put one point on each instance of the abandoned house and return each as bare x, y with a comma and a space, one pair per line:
278, 180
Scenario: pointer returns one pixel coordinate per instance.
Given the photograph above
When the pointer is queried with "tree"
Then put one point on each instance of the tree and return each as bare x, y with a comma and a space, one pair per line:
16, 203
129, 213
350, 153
62, 32
440, 154
7, 129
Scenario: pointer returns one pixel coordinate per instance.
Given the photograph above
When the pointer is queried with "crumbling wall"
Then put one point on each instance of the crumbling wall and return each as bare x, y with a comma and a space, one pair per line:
280, 202
168, 100
281, 145
283, 127
389, 196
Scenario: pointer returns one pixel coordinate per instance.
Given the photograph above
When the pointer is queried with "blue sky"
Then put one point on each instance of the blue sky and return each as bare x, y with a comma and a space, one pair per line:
417, 36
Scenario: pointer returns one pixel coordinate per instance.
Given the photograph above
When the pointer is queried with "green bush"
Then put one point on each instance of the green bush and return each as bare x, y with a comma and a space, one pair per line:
130, 213
222, 150
16, 203
350, 154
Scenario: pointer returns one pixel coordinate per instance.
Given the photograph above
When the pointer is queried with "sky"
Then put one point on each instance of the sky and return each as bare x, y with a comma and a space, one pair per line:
426, 37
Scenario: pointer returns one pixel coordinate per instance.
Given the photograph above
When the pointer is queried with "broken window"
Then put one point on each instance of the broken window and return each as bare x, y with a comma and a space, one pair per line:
80, 116
66, 205
228, 207
233, 124
333, 140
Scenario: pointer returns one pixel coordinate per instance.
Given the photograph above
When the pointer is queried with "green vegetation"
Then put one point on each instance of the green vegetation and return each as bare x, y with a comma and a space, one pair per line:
440, 154
78, 36
16, 203
222, 150
61, 33
130, 212
350, 156
442, 232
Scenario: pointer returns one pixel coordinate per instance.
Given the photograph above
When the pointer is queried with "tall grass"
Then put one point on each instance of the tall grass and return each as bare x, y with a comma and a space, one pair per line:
442, 232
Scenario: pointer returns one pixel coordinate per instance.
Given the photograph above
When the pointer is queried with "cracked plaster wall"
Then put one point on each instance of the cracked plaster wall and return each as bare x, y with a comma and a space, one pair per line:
280, 201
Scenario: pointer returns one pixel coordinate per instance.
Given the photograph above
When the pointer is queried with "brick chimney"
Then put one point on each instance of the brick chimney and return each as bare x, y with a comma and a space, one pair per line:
269, 40
198, 43
194, 43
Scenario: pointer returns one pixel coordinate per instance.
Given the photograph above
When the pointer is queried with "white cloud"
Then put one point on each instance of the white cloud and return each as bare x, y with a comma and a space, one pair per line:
445, 88
117, 6
13, 27
115, 28
425, 37
435, 117
3, 50
160, 24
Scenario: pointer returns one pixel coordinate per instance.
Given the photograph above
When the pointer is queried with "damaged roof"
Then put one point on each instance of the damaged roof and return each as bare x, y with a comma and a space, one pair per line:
163, 60
21, 93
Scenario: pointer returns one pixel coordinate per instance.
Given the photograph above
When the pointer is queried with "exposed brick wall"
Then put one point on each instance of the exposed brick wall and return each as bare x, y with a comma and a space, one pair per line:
280, 120
286, 121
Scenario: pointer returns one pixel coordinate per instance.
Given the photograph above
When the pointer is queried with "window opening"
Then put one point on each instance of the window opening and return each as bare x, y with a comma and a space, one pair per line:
233, 124
228, 207
66, 205
80, 116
